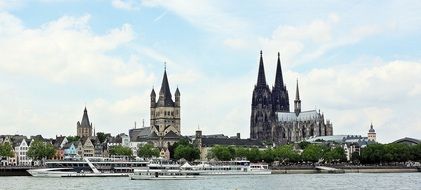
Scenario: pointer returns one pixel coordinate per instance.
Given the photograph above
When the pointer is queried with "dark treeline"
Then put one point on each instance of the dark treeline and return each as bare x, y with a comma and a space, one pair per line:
312, 153
387, 153
283, 154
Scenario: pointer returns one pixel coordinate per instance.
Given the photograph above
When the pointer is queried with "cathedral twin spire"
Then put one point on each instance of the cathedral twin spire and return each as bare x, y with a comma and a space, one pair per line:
261, 78
279, 93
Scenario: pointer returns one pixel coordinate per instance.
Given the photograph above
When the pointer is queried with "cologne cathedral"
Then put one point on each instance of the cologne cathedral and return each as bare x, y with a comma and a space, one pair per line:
271, 119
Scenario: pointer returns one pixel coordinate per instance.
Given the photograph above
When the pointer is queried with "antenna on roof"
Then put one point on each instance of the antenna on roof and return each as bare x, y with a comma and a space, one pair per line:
135, 124
143, 122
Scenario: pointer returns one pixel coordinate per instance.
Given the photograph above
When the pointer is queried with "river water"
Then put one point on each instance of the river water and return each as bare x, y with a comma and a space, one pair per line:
281, 181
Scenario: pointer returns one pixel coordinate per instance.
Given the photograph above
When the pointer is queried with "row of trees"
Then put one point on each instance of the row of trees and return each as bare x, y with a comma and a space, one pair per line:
179, 150
284, 154
386, 153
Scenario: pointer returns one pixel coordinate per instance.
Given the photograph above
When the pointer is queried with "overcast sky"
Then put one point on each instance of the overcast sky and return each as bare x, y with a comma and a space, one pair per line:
357, 61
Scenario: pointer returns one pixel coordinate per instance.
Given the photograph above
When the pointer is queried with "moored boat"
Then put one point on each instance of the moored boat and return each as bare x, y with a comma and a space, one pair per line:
161, 169
89, 167
238, 167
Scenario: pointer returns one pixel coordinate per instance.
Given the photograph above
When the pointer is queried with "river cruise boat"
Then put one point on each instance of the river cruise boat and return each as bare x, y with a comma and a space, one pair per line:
238, 167
89, 167
161, 169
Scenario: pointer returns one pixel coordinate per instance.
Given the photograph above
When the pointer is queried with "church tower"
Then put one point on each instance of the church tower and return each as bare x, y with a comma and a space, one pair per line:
280, 99
261, 107
165, 114
371, 133
297, 101
84, 128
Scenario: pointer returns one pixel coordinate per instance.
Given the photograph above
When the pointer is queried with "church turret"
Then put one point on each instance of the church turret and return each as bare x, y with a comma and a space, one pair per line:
177, 97
297, 101
371, 133
153, 98
280, 99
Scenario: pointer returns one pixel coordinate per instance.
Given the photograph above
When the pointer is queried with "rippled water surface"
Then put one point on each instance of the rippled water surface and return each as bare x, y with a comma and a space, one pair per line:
282, 181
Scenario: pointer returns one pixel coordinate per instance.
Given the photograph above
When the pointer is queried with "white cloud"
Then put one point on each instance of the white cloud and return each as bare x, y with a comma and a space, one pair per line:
50, 71
305, 43
203, 14
235, 43
126, 4
62, 50
352, 97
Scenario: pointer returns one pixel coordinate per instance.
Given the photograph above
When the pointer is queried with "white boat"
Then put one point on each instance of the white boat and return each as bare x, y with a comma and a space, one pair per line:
239, 167
89, 167
161, 169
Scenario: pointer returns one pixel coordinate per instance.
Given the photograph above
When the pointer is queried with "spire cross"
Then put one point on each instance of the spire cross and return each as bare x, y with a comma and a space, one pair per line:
165, 65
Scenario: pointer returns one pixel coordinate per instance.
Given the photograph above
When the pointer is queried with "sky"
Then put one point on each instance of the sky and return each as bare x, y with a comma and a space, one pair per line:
359, 62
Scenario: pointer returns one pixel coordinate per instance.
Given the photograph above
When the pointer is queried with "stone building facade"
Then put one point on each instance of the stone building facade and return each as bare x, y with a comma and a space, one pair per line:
271, 119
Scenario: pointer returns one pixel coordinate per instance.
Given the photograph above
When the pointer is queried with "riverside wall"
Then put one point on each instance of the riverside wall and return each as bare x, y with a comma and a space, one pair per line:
348, 169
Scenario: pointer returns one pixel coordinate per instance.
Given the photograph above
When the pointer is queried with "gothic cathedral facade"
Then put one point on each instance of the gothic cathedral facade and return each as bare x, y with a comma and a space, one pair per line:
271, 119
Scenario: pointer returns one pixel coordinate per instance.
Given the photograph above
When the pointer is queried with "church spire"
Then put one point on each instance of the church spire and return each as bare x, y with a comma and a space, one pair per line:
279, 81
85, 119
297, 93
165, 92
297, 101
261, 78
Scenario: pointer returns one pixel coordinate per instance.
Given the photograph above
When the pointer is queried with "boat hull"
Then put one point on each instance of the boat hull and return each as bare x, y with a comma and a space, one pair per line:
142, 177
49, 173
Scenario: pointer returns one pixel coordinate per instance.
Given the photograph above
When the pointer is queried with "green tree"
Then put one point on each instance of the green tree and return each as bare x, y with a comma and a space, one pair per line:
286, 153
254, 155
268, 155
303, 144
40, 150
171, 148
241, 152
312, 153
222, 152
187, 152
6, 150
373, 154
72, 138
416, 152
102, 136
121, 151
355, 157
397, 152
336, 154
147, 151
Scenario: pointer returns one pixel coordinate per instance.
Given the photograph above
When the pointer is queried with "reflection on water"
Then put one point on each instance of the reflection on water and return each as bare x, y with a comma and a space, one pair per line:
282, 181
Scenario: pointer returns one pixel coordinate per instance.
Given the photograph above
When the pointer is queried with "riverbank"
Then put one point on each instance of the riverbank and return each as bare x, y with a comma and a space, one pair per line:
347, 169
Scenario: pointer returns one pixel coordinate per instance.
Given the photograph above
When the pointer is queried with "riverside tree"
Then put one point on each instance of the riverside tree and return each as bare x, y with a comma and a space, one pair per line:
121, 151
312, 153
147, 151
6, 150
40, 150
188, 152
285, 154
